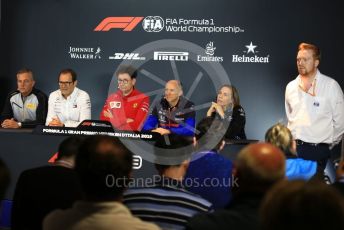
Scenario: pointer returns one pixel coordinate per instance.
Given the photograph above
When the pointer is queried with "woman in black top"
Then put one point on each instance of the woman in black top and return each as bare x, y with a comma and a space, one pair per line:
228, 109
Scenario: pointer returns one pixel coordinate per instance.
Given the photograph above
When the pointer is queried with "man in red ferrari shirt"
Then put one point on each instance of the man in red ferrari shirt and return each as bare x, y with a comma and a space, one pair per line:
127, 108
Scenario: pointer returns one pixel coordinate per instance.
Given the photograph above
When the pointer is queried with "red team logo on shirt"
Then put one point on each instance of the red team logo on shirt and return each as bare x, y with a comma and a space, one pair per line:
115, 104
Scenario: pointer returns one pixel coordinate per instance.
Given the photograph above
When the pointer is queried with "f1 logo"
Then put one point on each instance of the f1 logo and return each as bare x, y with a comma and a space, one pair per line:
125, 23
137, 162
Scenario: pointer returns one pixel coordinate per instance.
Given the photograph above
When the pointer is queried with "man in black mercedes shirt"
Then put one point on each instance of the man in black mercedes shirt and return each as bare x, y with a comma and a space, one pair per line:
25, 107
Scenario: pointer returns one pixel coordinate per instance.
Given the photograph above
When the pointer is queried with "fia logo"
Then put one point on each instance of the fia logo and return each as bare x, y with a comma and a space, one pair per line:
153, 24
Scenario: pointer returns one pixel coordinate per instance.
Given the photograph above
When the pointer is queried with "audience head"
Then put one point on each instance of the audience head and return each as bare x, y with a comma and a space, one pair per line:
103, 166
172, 151
69, 148
4, 179
210, 134
25, 81
302, 205
280, 136
258, 166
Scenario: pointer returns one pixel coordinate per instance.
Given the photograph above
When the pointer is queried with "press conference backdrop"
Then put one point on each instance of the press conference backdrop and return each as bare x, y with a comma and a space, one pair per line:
253, 42
250, 44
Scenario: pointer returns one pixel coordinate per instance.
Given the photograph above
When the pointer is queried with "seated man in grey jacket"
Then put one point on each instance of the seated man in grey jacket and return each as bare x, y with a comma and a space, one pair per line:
25, 107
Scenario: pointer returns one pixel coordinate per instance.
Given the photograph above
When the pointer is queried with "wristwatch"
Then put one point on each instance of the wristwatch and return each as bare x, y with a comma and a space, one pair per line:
19, 124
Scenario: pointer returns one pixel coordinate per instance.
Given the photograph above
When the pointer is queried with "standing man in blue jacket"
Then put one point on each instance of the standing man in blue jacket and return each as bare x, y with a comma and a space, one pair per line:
174, 114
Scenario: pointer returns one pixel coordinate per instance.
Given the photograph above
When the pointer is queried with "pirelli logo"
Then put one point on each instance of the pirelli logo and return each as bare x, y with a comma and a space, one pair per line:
125, 23
171, 56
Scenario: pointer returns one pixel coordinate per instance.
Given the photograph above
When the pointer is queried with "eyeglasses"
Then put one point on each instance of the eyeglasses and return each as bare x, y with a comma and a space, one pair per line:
65, 82
124, 82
